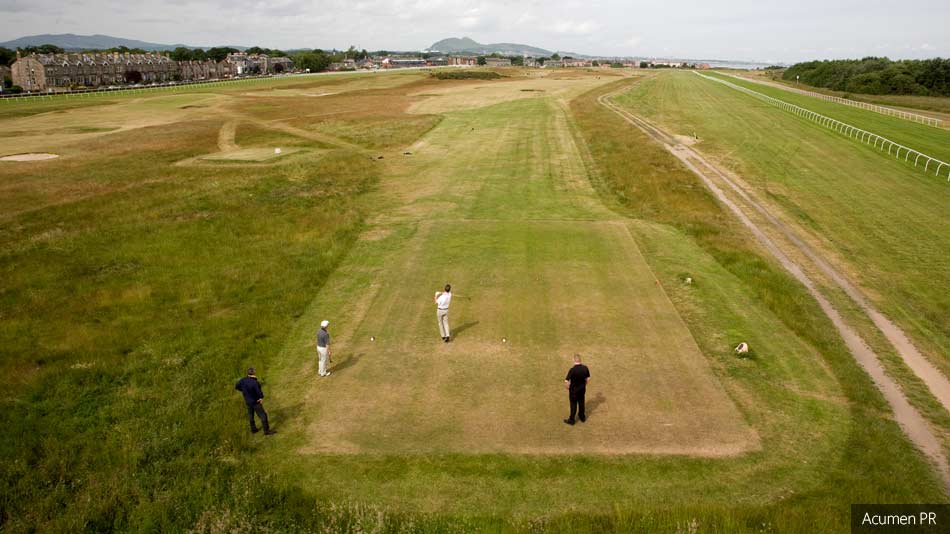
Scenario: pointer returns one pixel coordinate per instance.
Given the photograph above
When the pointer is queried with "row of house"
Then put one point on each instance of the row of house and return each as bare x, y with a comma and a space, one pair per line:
42, 72
396, 62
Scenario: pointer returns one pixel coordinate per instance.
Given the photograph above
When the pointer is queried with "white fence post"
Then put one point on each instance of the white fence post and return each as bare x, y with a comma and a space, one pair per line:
914, 117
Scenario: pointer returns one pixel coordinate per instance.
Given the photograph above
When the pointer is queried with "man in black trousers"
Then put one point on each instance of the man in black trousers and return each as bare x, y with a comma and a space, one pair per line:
576, 381
254, 398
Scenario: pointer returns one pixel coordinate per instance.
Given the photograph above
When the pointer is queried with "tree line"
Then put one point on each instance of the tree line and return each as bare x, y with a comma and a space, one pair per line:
318, 60
876, 75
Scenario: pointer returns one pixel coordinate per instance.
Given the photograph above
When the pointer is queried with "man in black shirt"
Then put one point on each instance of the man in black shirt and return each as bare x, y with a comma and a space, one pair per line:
576, 381
254, 398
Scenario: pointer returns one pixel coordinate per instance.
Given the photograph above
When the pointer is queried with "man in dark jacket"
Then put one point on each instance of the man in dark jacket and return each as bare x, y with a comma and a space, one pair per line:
254, 398
576, 382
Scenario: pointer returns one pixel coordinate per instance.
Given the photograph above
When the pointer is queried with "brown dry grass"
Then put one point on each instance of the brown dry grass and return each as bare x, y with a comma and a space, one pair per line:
458, 96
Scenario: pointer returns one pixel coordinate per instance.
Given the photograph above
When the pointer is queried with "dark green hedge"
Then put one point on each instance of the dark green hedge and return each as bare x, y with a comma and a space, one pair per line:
466, 75
876, 75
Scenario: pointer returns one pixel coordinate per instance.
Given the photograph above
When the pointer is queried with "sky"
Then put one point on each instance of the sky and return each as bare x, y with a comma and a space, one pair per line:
750, 30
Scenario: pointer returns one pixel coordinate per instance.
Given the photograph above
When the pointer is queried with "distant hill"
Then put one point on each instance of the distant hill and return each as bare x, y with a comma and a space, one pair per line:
466, 45
71, 41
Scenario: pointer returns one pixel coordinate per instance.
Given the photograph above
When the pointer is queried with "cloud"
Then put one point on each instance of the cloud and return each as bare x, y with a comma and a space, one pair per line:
17, 6
154, 20
572, 27
729, 29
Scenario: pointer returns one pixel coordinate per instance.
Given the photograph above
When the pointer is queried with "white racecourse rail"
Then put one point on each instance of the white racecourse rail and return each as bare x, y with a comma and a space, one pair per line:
922, 119
851, 131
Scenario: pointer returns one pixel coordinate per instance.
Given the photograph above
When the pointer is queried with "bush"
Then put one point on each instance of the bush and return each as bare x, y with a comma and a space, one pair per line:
877, 76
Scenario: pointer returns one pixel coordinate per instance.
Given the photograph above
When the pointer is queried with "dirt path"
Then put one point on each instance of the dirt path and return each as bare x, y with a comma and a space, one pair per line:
905, 414
226, 136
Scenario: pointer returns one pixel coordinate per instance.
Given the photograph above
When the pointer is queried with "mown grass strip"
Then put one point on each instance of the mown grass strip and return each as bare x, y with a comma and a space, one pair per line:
844, 128
906, 115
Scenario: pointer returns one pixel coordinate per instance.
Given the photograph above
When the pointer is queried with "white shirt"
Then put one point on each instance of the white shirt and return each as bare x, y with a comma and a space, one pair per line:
443, 301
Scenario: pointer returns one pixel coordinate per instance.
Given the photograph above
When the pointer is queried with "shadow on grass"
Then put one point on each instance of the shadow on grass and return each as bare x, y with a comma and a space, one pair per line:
461, 328
281, 414
590, 406
347, 363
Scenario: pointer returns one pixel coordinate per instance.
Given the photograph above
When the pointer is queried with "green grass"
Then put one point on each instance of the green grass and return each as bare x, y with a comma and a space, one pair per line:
134, 291
885, 222
15, 108
939, 104
821, 422
652, 186
934, 142
377, 132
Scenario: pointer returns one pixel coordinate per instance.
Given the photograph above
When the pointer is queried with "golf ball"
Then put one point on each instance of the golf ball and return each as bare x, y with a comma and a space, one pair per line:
372, 338
504, 340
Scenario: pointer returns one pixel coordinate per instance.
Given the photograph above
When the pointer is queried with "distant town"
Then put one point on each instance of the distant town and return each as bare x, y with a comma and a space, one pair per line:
49, 68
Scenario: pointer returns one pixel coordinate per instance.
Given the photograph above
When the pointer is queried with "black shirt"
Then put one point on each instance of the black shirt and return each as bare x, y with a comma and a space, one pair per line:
251, 389
578, 376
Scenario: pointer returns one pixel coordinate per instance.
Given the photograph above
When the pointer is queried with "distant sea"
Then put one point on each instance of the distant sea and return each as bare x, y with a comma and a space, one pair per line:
727, 64
720, 63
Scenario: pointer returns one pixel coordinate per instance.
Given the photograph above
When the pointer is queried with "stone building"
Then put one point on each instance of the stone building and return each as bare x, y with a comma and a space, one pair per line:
5, 73
243, 64
463, 60
581, 63
278, 65
204, 70
497, 62
40, 72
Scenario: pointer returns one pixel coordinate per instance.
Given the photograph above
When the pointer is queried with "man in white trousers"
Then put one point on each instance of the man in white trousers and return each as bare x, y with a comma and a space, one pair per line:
323, 347
442, 300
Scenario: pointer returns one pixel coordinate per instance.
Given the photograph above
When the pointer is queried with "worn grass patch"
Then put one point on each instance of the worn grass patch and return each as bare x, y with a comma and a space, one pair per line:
251, 154
379, 132
522, 281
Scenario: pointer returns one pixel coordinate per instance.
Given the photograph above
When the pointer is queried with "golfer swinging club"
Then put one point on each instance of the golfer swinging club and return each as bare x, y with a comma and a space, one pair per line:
442, 300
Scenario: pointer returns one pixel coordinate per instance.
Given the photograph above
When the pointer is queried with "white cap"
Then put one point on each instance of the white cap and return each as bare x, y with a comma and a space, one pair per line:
324, 324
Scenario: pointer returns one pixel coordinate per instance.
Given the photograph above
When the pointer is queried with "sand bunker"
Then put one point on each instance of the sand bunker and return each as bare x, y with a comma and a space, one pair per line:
29, 157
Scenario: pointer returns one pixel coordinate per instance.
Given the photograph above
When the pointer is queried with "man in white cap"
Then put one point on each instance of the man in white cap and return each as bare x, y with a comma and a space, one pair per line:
323, 347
